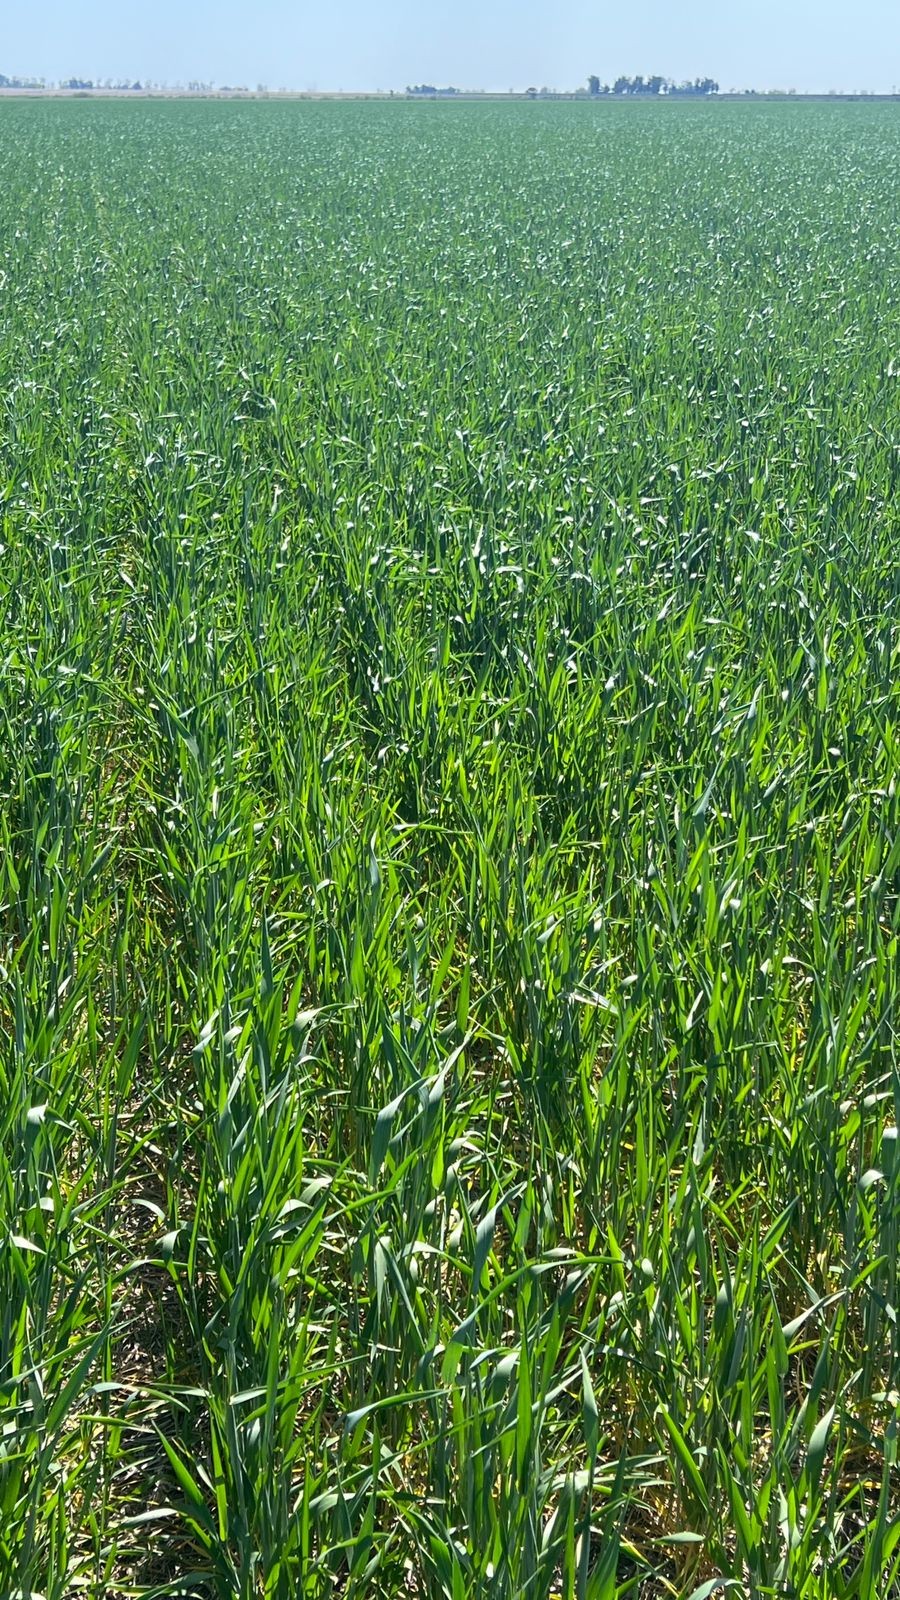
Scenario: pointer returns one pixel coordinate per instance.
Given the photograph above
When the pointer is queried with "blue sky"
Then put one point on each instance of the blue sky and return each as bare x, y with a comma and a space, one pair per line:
367, 44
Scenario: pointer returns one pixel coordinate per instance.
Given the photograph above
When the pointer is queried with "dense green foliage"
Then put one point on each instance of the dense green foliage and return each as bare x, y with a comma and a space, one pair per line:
450, 850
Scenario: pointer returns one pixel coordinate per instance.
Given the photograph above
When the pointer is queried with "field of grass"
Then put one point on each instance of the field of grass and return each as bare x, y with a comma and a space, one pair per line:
449, 851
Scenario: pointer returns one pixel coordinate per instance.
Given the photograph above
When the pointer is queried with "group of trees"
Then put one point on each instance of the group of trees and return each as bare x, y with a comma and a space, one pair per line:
88, 83
121, 85
622, 87
651, 86
113, 85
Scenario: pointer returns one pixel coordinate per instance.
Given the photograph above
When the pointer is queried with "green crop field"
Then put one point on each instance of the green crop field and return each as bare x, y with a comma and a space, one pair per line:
449, 851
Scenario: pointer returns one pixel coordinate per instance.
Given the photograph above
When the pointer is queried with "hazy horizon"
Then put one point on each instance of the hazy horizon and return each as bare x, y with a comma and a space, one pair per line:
490, 46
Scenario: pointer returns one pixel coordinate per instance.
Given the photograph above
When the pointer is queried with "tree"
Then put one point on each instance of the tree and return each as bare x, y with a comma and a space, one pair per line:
593, 84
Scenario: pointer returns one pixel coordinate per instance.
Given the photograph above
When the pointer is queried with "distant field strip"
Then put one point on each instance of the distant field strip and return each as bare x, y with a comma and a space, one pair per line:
449, 851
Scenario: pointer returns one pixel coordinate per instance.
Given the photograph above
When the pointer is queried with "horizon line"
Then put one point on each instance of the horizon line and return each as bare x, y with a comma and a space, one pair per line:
197, 91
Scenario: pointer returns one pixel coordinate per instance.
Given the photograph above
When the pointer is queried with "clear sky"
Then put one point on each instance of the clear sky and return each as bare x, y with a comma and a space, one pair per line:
500, 44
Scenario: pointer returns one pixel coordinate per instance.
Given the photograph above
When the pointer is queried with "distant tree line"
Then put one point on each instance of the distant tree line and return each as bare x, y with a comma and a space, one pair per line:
88, 83
622, 87
639, 87
652, 86
121, 85
115, 85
